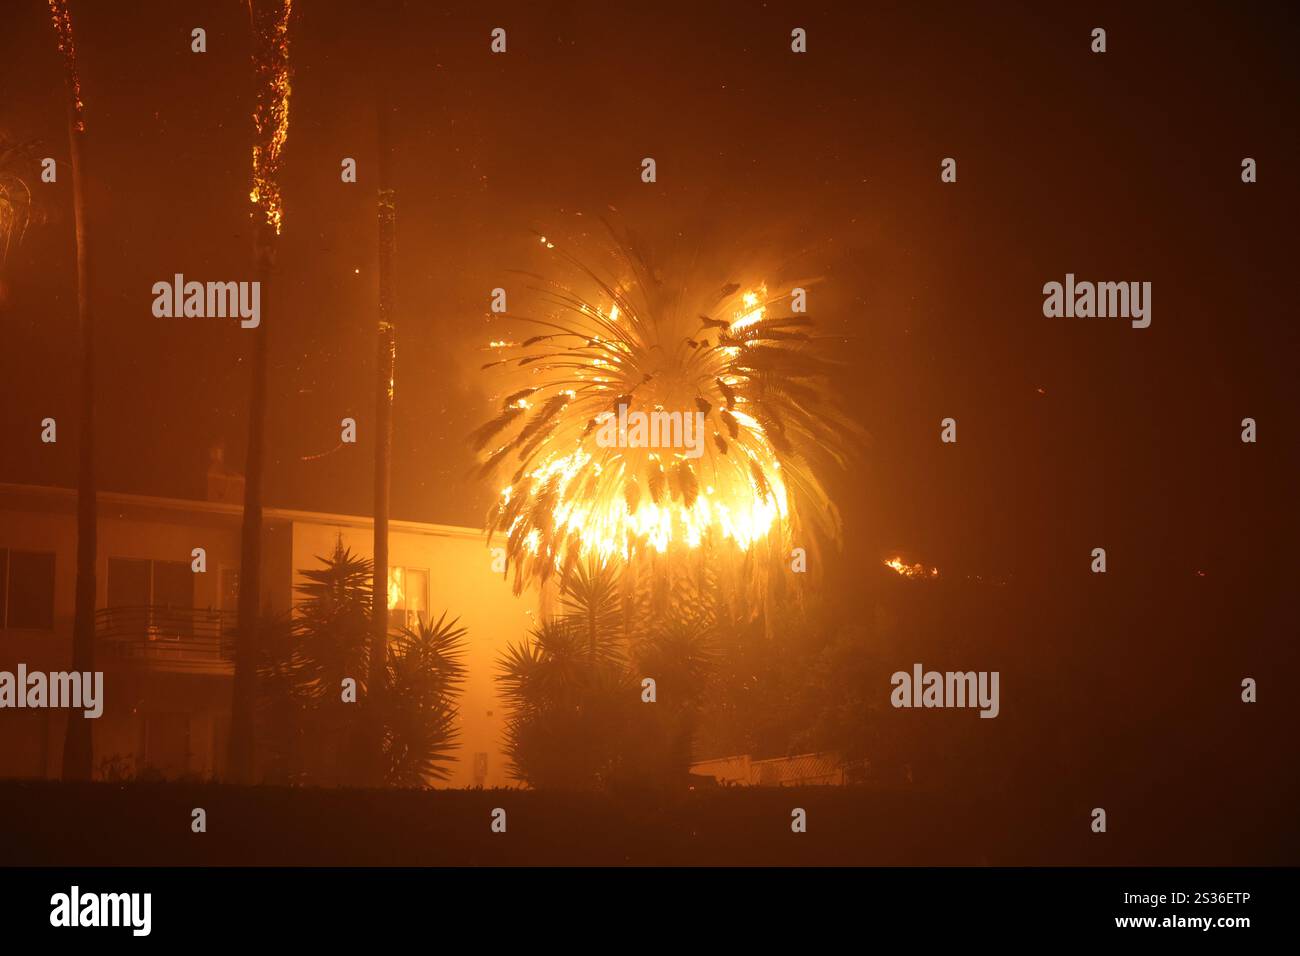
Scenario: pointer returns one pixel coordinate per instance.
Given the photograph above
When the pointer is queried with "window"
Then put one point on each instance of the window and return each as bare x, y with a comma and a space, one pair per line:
140, 582
173, 584
165, 587
27, 582
408, 596
129, 582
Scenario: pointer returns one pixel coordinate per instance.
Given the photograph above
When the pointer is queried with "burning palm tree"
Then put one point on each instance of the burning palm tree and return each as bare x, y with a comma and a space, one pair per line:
17, 211
617, 365
270, 22
78, 747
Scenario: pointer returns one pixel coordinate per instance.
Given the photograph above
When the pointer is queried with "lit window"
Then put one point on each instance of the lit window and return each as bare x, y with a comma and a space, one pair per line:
408, 596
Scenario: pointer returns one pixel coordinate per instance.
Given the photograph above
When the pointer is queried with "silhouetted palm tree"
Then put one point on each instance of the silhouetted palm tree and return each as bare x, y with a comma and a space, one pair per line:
78, 746
270, 24
17, 210
384, 385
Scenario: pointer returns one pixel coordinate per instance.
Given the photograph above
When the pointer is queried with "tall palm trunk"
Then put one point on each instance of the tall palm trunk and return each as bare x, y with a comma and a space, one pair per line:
78, 744
270, 23
384, 385
247, 641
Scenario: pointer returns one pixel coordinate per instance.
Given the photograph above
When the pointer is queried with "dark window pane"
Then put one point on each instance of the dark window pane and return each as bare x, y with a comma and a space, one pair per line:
31, 590
173, 584
173, 596
128, 582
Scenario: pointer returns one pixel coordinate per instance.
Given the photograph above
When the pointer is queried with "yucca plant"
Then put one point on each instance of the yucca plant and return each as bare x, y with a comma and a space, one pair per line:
330, 632
592, 607
574, 686
309, 734
569, 704
332, 621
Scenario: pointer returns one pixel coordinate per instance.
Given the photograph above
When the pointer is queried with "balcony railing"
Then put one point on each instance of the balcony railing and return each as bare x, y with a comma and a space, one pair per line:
169, 638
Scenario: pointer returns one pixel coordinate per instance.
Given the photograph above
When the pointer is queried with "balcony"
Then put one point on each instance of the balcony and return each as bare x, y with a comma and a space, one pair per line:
183, 640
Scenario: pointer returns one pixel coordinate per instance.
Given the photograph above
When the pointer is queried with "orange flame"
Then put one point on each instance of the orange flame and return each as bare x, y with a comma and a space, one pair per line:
911, 570
63, 31
271, 113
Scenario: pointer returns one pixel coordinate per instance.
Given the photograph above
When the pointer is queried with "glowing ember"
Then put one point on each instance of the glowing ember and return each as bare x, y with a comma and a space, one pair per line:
271, 114
752, 381
911, 570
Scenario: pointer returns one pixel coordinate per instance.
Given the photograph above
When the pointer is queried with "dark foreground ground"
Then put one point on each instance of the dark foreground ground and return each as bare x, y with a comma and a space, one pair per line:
1231, 822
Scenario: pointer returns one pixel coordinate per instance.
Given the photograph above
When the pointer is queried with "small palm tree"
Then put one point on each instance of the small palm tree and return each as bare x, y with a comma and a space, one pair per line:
592, 606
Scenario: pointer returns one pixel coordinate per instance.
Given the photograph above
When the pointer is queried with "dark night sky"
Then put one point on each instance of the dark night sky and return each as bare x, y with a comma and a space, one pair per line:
1116, 167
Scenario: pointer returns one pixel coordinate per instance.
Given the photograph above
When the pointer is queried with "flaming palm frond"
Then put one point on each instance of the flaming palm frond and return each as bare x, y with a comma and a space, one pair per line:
736, 358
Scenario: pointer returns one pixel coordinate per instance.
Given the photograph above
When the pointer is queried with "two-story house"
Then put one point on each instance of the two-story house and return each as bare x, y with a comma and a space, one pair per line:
163, 631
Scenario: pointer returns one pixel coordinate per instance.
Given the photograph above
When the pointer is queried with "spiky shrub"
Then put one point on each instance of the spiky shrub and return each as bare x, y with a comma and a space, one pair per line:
329, 645
426, 671
757, 373
309, 734
574, 689
333, 613
570, 707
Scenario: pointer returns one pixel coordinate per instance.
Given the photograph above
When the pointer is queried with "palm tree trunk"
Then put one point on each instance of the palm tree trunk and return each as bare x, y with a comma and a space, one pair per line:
78, 743
384, 386
247, 642
270, 24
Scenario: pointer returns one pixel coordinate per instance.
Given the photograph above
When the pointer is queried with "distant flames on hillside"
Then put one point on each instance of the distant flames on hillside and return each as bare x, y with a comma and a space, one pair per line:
918, 570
